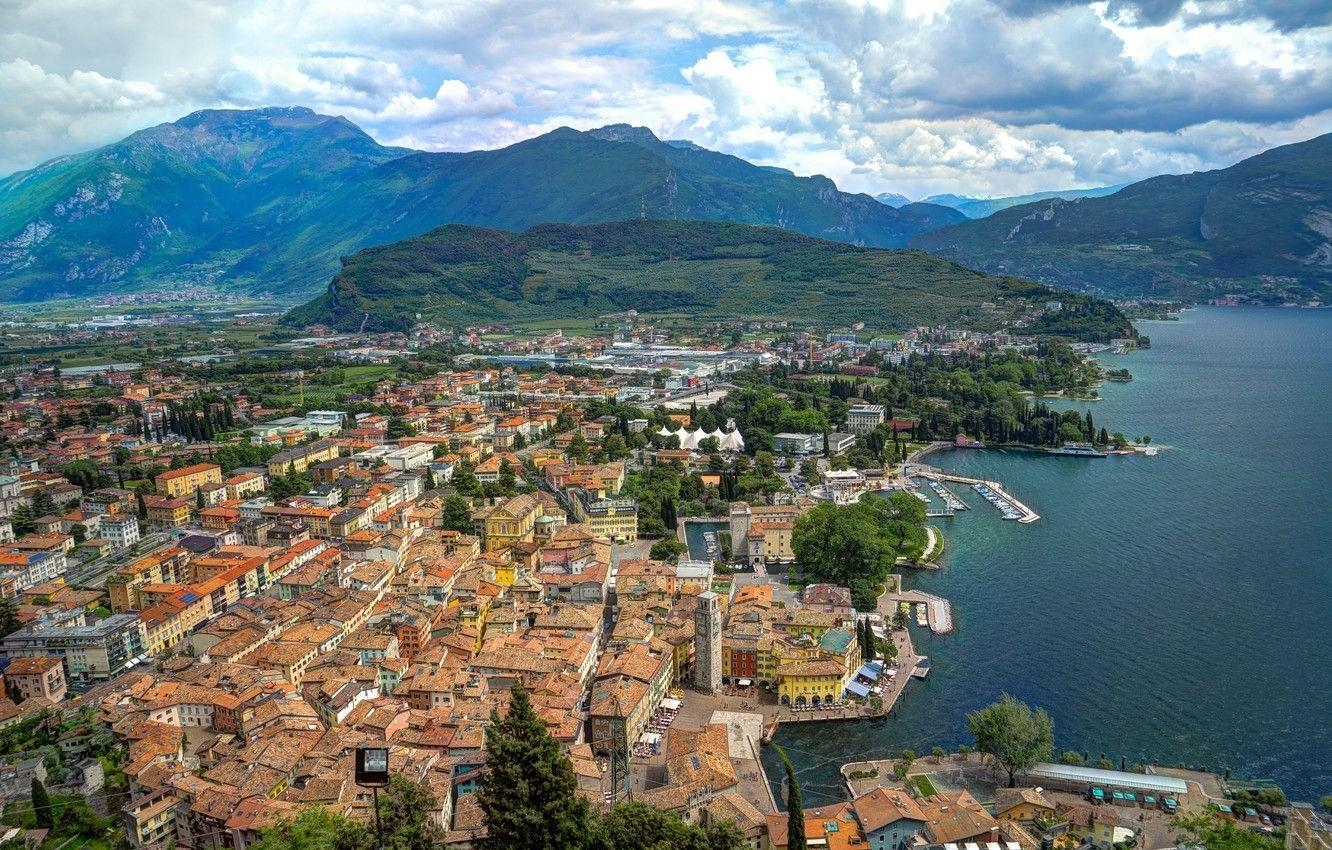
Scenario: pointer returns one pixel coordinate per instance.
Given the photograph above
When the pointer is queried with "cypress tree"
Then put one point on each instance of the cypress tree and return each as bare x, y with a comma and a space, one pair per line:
528, 796
41, 805
795, 810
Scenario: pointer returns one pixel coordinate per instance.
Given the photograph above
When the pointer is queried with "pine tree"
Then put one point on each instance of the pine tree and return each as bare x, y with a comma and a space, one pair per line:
795, 810
41, 805
142, 506
529, 797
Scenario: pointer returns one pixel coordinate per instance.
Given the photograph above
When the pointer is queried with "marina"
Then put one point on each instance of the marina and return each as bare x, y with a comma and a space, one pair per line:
992, 491
949, 499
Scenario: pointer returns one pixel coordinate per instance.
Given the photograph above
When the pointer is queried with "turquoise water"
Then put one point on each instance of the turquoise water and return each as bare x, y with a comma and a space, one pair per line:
1176, 608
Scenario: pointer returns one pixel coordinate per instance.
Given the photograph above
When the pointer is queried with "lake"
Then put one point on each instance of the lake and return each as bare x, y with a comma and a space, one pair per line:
1175, 608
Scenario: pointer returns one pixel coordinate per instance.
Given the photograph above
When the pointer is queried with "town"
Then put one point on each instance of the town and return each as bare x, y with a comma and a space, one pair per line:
224, 574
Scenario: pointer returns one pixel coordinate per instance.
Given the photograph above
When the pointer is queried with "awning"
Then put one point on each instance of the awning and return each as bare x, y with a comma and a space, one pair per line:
857, 689
670, 704
869, 671
744, 683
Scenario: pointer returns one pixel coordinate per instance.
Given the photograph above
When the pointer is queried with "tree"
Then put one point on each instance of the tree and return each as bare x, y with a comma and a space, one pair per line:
1208, 829
1011, 733
1072, 757
795, 810
638, 826
508, 482
457, 514
405, 812
666, 549
9, 621
429, 482
316, 828
528, 796
41, 805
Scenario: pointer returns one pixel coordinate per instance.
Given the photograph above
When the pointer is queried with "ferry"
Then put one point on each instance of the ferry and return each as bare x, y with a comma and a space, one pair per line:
1076, 450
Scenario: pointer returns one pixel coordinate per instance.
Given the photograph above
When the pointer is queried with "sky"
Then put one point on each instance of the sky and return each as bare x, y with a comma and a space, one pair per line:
916, 97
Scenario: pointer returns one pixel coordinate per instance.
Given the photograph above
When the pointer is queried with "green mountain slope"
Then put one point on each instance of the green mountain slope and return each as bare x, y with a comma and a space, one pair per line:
458, 275
266, 201
1262, 226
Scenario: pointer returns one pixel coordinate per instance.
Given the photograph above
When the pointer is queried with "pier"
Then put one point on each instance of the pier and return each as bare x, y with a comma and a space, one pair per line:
940, 610
992, 491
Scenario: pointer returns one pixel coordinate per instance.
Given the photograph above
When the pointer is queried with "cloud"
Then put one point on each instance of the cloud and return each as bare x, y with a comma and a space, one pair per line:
916, 96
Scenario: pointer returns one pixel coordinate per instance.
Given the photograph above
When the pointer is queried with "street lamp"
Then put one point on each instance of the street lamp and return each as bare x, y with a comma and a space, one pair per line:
372, 772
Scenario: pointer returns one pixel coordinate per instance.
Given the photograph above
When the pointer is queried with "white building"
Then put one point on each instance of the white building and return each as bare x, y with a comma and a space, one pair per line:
121, 532
866, 417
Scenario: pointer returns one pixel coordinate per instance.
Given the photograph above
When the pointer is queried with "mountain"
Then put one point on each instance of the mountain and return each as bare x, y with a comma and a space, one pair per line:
458, 275
268, 200
894, 200
981, 207
1262, 227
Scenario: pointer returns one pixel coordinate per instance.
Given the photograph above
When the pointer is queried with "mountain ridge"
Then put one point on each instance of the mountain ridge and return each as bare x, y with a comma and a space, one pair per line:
458, 275
266, 201
1261, 228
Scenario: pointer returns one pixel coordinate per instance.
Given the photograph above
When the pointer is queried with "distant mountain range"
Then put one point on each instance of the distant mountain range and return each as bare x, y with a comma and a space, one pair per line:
267, 200
981, 207
1262, 227
458, 275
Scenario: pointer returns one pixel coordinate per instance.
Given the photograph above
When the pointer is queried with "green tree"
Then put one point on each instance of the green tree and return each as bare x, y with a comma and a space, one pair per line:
638, 826
41, 805
1013, 734
508, 482
457, 514
578, 448
528, 796
316, 828
1208, 829
9, 621
666, 549
405, 813
1072, 757
795, 808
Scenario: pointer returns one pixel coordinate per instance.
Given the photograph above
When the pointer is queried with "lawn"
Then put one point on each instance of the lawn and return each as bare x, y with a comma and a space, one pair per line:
922, 785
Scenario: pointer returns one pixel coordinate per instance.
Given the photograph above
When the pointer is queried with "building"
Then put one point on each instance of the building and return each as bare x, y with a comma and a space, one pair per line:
797, 444
99, 650
819, 682
511, 521
1308, 828
762, 534
707, 642
166, 514
176, 483
300, 458
613, 519
121, 532
38, 676
890, 819
865, 417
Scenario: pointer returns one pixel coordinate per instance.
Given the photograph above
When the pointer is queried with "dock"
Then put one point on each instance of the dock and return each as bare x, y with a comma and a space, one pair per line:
949, 499
940, 610
992, 491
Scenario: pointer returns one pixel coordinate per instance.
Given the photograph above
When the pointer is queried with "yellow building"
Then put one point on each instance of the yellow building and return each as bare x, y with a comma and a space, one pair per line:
802, 683
301, 458
613, 519
165, 566
511, 521
168, 513
176, 483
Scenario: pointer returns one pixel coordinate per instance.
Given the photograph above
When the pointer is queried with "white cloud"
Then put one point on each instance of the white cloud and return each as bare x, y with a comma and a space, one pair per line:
916, 96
